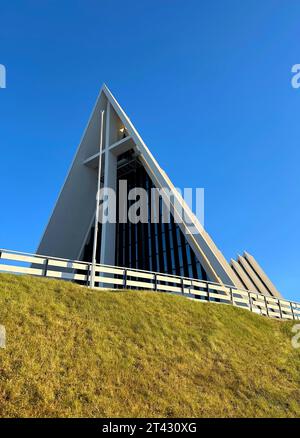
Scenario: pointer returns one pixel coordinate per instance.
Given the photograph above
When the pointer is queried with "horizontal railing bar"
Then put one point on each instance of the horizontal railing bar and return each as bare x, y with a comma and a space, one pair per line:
21, 269
2, 250
22, 258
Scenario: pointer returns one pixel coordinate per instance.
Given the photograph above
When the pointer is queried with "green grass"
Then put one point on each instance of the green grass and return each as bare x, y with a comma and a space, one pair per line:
75, 352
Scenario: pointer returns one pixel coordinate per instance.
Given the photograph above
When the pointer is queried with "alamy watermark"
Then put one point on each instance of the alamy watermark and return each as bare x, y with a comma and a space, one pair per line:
296, 339
295, 81
2, 336
2, 76
138, 205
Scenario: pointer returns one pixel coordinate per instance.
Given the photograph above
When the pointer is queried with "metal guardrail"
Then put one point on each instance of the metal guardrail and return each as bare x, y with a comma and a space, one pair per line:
114, 277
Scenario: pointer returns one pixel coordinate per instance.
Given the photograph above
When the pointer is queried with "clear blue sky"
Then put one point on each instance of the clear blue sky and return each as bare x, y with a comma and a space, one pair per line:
207, 84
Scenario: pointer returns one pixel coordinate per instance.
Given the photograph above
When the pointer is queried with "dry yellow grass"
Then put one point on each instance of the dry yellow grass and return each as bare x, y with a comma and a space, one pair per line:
75, 352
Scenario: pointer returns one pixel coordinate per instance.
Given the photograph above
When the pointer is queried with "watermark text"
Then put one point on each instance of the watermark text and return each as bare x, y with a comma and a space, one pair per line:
2, 336
138, 205
295, 81
296, 339
2, 76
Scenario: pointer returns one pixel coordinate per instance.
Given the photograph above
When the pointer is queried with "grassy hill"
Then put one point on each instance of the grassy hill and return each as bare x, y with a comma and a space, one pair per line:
75, 352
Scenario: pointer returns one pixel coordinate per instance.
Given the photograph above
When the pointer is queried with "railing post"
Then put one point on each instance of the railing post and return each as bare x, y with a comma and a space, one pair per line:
208, 294
46, 267
250, 302
280, 308
291, 305
266, 304
155, 282
88, 274
182, 285
125, 279
231, 295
